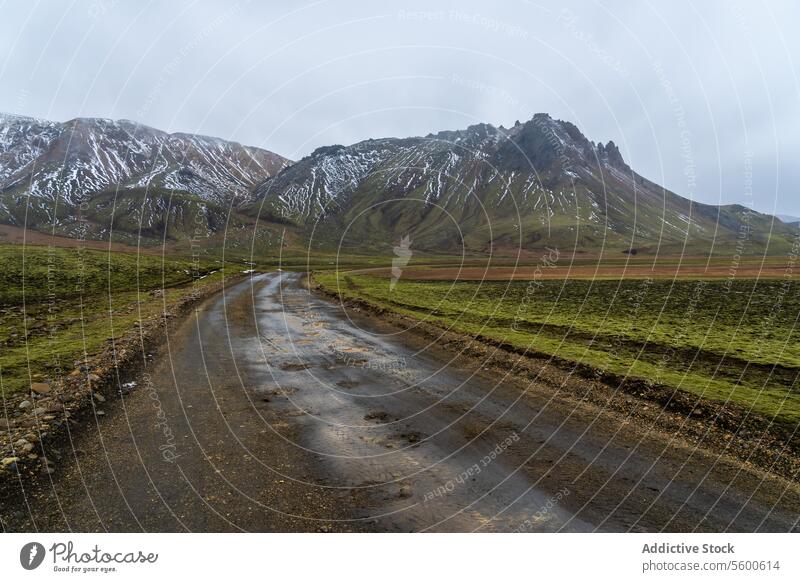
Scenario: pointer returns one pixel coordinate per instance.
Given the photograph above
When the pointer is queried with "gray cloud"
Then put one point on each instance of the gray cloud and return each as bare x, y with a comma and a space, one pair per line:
699, 95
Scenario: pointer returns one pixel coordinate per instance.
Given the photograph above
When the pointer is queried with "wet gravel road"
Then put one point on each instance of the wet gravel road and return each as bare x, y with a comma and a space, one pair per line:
272, 409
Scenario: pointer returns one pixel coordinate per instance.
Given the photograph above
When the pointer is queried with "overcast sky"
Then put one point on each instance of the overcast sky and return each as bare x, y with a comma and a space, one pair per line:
703, 97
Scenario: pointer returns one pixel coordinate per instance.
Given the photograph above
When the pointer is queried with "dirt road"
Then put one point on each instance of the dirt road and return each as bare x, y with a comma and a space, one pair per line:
271, 409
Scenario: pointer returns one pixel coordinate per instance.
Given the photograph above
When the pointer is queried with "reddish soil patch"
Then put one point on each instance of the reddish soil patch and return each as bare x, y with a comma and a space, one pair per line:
17, 235
635, 271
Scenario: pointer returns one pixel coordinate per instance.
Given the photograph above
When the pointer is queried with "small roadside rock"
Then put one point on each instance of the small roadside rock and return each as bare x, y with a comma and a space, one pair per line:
40, 388
25, 405
27, 447
99, 397
405, 492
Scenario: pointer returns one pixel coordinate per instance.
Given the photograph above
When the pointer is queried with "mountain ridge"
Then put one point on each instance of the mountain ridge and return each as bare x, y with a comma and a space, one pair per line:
486, 188
478, 190
52, 174
92, 154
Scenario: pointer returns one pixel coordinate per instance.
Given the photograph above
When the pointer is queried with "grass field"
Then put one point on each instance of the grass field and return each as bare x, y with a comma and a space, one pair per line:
724, 339
727, 340
58, 305
595, 267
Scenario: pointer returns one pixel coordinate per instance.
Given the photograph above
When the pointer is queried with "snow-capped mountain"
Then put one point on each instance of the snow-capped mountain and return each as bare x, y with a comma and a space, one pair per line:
100, 178
482, 189
488, 188
22, 140
69, 162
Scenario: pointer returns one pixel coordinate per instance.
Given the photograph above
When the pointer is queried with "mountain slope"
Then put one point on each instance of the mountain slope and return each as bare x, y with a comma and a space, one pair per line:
487, 189
48, 170
83, 156
479, 190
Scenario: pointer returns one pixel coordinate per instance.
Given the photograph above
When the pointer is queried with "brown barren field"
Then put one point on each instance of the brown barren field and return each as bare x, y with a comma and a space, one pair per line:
770, 268
18, 235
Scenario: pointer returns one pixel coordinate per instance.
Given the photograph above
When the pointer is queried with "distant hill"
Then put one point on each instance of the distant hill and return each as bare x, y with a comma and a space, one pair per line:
793, 220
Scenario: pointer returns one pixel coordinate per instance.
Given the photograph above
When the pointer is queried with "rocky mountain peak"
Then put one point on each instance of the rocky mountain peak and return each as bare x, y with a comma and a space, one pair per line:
609, 154
327, 150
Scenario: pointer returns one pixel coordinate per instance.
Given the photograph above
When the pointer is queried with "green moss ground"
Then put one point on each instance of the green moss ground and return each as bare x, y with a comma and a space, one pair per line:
723, 341
58, 305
